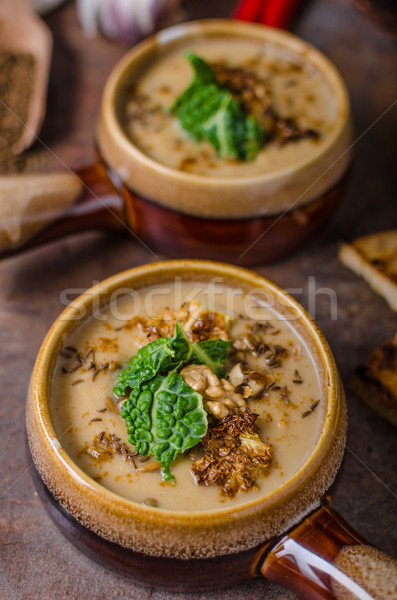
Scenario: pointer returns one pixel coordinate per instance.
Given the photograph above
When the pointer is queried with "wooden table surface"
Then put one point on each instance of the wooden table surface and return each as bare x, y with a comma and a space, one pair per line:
36, 561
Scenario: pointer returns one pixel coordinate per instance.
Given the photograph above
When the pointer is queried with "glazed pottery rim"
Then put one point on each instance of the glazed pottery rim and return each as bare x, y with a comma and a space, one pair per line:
41, 384
115, 82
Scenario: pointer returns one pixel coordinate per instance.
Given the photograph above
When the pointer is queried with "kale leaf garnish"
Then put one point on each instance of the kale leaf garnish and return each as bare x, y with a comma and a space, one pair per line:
207, 110
164, 416
179, 420
212, 353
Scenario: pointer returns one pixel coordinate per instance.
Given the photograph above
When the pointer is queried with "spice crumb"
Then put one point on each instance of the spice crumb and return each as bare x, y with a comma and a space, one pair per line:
142, 458
297, 377
150, 502
311, 409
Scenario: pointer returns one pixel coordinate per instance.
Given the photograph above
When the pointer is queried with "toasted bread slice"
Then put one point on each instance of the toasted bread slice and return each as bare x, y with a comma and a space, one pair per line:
374, 257
375, 381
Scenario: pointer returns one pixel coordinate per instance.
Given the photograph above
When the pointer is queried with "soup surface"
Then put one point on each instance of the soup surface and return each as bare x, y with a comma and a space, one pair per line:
295, 88
288, 398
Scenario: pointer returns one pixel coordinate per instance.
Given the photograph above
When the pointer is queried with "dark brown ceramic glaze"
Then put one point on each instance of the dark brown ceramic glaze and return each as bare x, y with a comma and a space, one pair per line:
106, 204
319, 536
239, 241
169, 573
303, 559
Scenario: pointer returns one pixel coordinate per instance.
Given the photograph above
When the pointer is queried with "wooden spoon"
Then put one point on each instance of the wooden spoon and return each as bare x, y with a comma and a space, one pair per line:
21, 31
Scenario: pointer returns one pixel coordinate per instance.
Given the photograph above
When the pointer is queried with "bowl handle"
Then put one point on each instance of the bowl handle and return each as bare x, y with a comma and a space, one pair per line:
40, 207
323, 558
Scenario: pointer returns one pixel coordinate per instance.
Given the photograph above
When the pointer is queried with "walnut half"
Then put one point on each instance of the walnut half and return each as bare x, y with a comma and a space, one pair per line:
219, 395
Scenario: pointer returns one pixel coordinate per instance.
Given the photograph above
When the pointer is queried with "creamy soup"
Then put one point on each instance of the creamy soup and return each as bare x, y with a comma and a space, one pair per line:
296, 90
290, 403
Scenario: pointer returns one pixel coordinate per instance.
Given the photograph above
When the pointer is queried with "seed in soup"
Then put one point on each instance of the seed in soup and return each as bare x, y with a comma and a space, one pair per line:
266, 356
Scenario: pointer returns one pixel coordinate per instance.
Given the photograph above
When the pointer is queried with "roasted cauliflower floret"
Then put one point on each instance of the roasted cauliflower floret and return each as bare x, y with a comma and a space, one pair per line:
234, 455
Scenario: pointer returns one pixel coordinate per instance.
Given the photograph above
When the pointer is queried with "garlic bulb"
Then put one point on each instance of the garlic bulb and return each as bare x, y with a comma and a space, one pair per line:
123, 20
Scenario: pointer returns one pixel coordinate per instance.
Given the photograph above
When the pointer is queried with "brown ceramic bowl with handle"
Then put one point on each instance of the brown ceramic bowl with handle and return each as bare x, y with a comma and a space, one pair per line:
288, 535
246, 217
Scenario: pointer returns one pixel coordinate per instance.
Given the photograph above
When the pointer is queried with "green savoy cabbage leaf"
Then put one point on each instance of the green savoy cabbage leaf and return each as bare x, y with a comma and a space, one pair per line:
163, 415
137, 413
163, 354
212, 353
179, 421
206, 110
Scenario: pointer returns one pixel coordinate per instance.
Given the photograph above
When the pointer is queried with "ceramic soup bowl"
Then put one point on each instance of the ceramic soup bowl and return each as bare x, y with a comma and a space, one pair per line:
177, 196
281, 529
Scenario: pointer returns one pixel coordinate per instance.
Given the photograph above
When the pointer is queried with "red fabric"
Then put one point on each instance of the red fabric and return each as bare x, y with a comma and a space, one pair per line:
275, 13
248, 10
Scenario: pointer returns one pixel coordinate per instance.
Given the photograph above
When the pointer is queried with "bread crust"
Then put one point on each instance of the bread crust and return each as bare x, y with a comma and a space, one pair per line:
374, 257
375, 381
